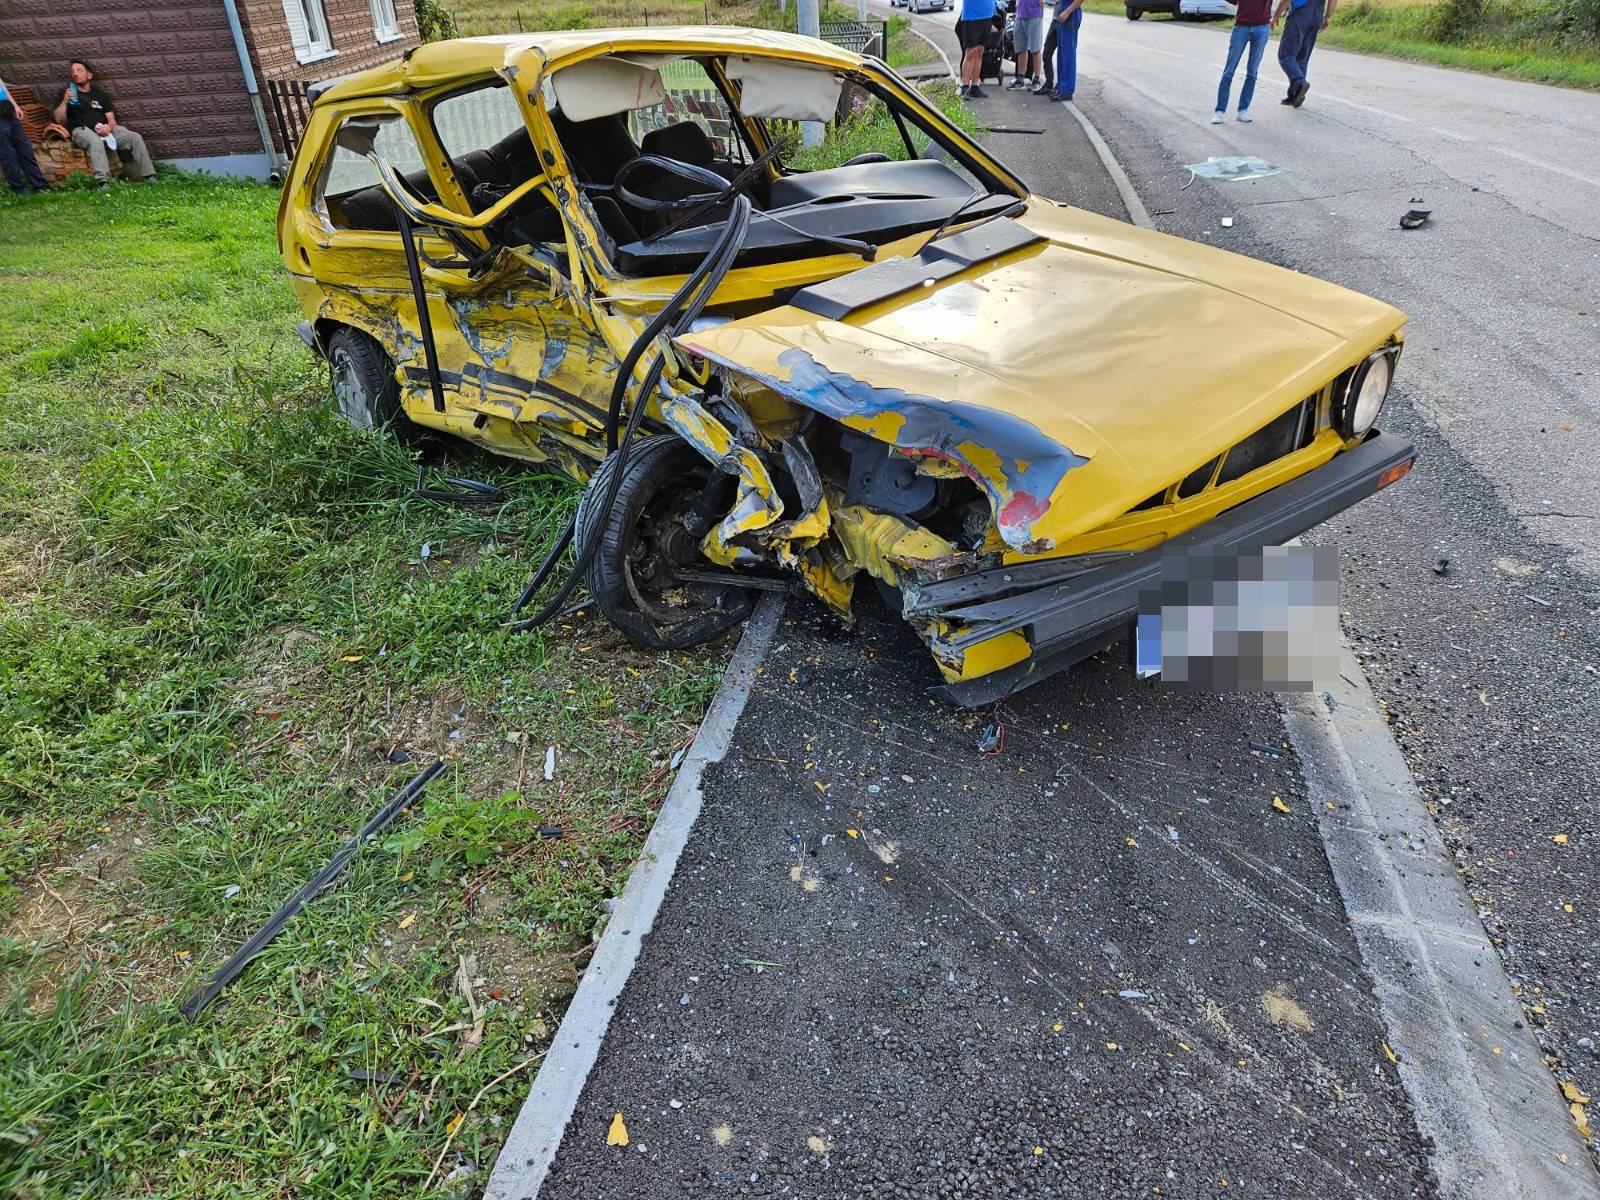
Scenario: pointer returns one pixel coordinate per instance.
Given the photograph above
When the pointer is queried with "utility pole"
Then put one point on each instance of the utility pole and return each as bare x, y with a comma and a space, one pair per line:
806, 10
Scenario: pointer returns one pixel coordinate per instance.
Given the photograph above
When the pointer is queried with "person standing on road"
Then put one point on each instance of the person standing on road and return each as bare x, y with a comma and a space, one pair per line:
91, 116
1068, 19
17, 162
1252, 28
1307, 18
1049, 56
1027, 39
972, 27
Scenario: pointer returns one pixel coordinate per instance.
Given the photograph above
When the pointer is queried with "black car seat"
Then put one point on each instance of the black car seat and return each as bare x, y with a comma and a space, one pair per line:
371, 208
596, 148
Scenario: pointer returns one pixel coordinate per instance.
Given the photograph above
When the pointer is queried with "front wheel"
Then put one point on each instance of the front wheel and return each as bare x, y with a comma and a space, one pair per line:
1134, 13
645, 542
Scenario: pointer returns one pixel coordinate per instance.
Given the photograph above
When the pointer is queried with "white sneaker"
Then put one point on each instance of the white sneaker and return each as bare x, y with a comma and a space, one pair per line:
1217, 117
1245, 116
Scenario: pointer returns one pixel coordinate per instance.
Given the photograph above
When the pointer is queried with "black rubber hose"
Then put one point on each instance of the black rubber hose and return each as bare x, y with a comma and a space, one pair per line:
681, 311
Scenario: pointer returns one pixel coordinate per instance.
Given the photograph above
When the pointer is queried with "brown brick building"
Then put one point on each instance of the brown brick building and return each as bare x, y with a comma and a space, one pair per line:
191, 75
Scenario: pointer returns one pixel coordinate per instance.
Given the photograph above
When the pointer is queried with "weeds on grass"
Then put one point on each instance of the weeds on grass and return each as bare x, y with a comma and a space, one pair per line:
215, 625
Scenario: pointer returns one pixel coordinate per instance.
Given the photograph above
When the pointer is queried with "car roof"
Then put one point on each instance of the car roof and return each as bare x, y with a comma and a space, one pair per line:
439, 62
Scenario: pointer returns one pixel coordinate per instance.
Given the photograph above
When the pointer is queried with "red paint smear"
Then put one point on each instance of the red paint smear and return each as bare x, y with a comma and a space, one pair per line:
1023, 510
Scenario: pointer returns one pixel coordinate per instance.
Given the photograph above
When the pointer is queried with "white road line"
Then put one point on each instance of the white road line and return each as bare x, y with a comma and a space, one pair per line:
1478, 1085
1544, 166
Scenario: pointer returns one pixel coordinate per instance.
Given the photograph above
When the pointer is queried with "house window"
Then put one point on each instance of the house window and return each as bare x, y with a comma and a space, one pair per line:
308, 29
385, 23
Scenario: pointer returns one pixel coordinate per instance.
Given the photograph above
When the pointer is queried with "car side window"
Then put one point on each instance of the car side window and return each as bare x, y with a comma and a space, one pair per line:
351, 196
486, 140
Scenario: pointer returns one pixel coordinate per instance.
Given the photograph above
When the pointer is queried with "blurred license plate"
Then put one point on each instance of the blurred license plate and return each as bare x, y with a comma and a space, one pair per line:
1265, 620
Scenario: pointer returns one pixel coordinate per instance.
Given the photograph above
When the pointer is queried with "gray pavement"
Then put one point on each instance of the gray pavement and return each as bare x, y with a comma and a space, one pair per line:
1475, 623
1102, 963
1099, 963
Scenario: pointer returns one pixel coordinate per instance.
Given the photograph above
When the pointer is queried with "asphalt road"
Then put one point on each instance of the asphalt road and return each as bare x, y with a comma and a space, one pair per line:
1098, 963
1476, 617
1503, 287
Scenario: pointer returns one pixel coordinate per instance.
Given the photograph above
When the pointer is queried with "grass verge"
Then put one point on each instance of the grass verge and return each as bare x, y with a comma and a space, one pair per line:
222, 622
1543, 42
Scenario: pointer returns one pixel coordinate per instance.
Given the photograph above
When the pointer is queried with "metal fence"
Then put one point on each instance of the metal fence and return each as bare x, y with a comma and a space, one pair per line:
291, 109
862, 37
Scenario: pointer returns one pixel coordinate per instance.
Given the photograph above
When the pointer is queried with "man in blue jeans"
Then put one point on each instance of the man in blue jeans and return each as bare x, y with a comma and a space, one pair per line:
1252, 27
1068, 20
17, 162
1307, 18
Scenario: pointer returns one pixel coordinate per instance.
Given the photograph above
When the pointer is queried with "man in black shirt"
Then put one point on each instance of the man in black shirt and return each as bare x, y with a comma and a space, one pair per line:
90, 114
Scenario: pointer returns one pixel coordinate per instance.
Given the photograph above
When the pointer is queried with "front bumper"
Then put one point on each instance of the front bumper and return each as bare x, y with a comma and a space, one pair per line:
1067, 613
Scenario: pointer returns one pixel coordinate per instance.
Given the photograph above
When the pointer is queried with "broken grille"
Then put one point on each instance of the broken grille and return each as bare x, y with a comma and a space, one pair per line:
1278, 438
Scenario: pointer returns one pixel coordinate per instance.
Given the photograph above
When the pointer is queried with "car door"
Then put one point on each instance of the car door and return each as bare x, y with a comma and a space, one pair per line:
518, 349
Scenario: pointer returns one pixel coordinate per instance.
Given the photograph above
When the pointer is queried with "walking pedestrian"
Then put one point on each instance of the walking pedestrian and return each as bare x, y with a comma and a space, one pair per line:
17, 162
1068, 20
1307, 18
1027, 39
91, 114
972, 28
1051, 40
1252, 28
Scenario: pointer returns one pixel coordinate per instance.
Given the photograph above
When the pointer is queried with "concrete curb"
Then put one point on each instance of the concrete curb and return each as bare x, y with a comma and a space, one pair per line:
535, 1136
1137, 213
1477, 1082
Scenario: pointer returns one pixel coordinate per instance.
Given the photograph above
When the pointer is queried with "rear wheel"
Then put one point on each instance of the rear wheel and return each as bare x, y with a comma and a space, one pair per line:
645, 543
366, 392
1134, 13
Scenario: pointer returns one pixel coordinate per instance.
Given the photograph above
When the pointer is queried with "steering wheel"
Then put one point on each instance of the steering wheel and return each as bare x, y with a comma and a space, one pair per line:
871, 156
672, 166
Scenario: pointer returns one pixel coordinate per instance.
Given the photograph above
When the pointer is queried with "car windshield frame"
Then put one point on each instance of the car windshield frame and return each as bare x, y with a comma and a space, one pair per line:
671, 254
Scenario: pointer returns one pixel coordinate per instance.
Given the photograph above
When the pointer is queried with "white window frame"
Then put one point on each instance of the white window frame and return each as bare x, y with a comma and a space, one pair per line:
385, 21
308, 30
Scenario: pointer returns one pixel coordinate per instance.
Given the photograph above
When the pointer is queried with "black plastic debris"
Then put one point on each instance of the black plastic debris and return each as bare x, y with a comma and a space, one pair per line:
551, 831
1441, 566
380, 820
398, 755
1416, 218
1263, 748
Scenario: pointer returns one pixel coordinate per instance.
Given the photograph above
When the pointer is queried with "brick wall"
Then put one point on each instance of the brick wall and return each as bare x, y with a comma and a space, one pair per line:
170, 66
349, 28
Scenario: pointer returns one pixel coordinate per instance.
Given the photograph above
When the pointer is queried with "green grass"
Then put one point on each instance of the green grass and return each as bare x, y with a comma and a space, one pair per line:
215, 623
872, 128
1527, 41
1546, 41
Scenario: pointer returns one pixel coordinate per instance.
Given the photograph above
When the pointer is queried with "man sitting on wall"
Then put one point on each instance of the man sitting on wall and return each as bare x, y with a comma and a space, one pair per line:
91, 116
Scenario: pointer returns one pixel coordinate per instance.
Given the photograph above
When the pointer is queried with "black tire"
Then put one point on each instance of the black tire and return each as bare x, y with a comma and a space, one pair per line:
1134, 13
366, 390
642, 539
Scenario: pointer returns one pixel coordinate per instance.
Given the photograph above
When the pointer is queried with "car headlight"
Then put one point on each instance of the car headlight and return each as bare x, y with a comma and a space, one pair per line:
1357, 410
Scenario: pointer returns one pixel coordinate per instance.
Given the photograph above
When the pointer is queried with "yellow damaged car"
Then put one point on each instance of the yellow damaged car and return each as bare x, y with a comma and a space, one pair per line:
601, 251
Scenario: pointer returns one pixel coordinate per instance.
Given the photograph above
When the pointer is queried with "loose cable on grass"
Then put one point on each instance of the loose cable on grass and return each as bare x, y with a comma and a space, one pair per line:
230, 970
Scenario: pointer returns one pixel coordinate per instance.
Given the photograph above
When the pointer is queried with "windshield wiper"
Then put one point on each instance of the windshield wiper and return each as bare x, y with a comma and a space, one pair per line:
980, 194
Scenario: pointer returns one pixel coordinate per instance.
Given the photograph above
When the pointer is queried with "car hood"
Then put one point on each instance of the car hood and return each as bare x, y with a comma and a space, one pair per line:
1070, 378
